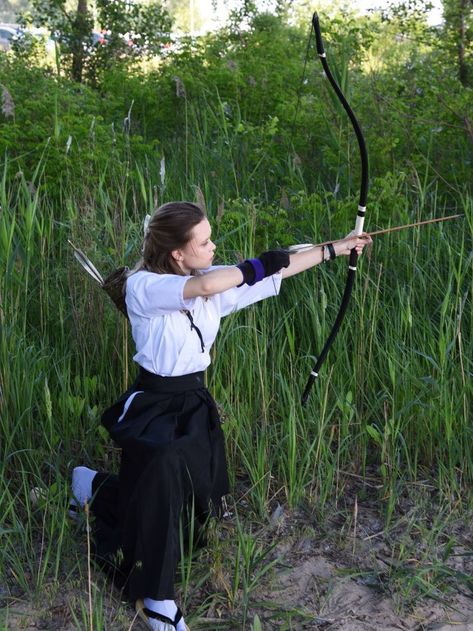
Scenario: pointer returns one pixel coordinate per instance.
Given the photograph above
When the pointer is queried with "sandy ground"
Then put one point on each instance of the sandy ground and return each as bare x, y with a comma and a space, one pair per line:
347, 573
342, 603
354, 575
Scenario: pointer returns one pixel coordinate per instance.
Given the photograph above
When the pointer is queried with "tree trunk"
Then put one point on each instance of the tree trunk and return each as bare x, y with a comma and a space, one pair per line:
456, 14
462, 67
80, 33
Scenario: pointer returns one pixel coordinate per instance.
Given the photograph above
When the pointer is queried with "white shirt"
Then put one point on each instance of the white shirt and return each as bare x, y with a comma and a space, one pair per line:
165, 343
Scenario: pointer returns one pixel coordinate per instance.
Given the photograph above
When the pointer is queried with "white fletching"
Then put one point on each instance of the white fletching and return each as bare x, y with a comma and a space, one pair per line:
87, 264
300, 247
146, 224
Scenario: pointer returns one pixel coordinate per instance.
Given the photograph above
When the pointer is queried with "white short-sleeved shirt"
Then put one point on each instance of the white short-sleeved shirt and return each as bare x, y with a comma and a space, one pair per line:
165, 343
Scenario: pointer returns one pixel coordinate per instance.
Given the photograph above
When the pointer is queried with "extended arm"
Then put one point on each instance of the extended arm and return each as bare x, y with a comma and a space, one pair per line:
219, 280
249, 272
215, 282
301, 261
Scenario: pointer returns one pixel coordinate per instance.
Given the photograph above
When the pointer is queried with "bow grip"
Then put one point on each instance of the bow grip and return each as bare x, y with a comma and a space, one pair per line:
318, 35
360, 220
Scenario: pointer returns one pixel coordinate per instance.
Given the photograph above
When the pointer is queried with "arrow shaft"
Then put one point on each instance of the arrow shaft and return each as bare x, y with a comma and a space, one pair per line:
384, 231
414, 225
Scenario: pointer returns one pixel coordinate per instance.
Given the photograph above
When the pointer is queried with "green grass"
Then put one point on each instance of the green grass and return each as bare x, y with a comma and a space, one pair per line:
395, 395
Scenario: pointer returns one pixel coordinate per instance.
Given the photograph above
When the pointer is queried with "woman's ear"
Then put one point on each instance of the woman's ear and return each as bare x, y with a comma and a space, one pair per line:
177, 255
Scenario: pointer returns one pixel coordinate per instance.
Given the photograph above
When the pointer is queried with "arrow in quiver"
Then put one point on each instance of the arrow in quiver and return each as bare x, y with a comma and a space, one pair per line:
113, 284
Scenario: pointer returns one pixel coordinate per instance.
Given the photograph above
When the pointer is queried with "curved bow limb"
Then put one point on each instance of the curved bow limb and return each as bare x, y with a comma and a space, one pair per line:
360, 214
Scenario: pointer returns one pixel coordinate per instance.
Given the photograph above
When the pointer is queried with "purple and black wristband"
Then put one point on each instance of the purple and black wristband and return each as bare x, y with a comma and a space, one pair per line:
253, 271
266, 264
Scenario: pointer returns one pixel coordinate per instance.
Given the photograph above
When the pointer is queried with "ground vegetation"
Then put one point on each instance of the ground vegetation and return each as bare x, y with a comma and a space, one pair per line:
352, 511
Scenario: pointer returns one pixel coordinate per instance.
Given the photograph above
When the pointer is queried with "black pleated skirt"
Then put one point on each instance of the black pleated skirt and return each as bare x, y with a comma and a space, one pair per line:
172, 475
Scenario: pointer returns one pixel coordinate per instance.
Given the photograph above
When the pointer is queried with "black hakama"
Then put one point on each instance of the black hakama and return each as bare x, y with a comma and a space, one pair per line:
173, 466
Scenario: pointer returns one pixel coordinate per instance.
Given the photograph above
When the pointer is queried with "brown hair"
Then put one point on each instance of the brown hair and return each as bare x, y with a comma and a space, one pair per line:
169, 229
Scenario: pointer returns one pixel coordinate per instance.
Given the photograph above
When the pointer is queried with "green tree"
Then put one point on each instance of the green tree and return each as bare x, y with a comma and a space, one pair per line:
458, 16
9, 9
187, 15
130, 31
455, 36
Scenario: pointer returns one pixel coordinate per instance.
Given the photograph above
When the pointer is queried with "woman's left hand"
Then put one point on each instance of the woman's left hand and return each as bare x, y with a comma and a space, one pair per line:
346, 245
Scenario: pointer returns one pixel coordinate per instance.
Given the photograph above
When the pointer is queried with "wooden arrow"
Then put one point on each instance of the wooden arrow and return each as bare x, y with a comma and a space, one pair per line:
306, 246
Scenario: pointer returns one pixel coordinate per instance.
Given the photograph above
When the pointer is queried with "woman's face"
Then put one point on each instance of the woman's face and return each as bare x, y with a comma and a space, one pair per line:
198, 251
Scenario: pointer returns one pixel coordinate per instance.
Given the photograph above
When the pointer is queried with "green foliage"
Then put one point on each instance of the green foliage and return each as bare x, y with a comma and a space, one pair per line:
228, 117
237, 105
130, 31
410, 16
458, 35
454, 39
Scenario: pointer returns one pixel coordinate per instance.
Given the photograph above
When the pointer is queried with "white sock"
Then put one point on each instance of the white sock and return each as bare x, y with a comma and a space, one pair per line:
165, 608
82, 485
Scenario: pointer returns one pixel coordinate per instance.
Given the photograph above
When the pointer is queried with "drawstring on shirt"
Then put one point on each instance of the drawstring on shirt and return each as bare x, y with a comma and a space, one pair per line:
196, 329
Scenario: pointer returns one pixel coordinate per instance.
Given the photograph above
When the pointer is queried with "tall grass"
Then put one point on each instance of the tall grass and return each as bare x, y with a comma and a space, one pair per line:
395, 394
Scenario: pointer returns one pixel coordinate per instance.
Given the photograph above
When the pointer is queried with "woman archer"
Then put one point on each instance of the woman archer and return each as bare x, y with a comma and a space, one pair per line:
167, 424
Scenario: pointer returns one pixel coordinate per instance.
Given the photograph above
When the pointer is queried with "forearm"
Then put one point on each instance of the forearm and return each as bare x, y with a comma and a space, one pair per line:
214, 282
300, 261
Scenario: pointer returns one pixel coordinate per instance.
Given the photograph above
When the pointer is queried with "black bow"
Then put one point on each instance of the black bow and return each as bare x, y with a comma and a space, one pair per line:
359, 219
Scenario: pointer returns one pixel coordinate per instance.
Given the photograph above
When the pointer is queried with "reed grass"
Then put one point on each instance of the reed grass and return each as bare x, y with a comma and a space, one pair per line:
395, 395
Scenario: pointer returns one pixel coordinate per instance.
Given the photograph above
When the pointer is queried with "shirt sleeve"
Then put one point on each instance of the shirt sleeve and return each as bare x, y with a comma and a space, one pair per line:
238, 298
149, 294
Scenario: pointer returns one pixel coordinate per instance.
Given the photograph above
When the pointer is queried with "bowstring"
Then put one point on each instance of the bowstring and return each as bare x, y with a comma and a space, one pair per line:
301, 85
